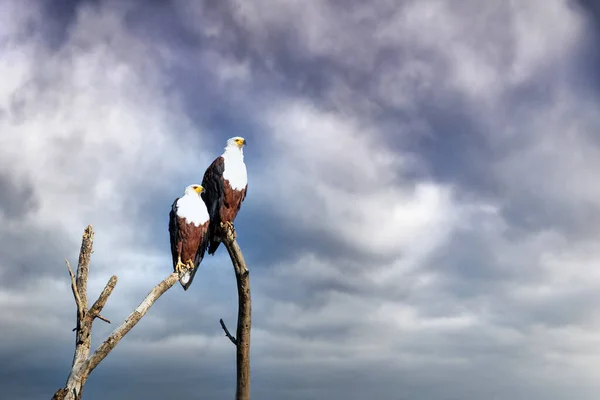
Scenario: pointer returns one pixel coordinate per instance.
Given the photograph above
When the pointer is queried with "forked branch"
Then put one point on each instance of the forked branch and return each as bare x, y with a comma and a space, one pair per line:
80, 309
83, 363
131, 320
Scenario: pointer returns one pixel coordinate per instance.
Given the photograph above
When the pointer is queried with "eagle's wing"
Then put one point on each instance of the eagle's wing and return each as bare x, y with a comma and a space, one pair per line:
212, 182
213, 194
174, 232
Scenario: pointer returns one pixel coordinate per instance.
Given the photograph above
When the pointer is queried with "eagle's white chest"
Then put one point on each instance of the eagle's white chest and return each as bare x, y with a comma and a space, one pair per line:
193, 209
234, 169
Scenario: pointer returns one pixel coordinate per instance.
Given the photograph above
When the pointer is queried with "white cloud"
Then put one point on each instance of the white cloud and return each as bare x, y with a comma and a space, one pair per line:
339, 176
91, 128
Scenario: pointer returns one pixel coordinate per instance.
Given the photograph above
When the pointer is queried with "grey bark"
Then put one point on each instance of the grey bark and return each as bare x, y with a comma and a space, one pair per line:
244, 322
84, 363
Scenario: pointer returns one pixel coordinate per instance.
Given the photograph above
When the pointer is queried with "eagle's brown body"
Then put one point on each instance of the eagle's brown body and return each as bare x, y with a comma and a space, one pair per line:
188, 230
224, 199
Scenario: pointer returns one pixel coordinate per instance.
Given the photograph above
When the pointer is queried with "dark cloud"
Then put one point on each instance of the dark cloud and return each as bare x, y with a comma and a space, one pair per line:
462, 154
17, 199
29, 253
60, 16
587, 75
281, 62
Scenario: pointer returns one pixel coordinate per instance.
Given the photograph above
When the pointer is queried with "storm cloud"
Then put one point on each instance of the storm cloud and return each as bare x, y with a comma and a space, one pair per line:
422, 211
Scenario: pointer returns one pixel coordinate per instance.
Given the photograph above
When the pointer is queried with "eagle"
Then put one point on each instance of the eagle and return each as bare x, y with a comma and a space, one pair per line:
188, 229
225, 182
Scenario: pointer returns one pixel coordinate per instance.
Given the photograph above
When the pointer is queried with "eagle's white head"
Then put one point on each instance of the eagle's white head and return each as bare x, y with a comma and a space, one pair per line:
236, 142
193, 190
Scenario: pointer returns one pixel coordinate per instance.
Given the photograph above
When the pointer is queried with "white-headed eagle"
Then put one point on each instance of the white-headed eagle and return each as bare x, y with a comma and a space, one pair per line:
188, 228
225, 182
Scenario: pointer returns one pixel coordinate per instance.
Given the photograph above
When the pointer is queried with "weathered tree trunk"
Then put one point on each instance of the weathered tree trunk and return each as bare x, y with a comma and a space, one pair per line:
83, 363
244, 322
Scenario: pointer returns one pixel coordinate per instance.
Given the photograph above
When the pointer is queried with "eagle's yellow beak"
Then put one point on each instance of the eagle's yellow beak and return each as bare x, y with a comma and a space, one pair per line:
198, 189
240, 142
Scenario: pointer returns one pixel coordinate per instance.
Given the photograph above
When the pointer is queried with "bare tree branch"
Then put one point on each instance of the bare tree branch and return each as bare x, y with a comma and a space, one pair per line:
83, 265
83, 363
227, 332
99, 304
131, 321
244, 323
103, 319
75, 293
83, 329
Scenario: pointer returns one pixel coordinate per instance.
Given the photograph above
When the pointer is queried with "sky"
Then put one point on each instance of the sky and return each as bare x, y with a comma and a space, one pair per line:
422, 213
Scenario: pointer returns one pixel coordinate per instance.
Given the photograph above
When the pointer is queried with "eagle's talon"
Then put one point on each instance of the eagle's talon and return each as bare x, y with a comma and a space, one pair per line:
230, 227
180, 267
227, 227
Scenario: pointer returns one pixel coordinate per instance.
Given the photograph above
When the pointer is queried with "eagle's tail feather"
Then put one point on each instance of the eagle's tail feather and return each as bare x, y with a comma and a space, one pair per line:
212, 246
187, 278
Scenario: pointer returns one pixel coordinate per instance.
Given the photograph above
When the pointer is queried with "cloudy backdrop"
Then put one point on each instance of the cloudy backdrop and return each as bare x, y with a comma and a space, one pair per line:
423, 211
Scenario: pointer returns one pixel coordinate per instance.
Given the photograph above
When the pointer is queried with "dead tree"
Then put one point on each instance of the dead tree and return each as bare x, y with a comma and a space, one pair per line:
84, 363
244, 322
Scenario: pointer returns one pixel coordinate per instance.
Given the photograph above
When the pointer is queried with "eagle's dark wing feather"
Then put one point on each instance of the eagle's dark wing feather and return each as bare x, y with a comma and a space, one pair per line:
174, 231
213, 194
